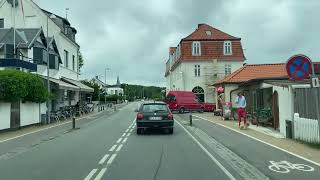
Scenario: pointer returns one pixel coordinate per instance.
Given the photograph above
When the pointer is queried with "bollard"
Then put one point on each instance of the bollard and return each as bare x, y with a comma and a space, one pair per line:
73, 122
190, 118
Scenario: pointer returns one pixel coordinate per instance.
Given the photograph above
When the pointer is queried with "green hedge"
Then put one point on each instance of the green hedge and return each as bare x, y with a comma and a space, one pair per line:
20, 86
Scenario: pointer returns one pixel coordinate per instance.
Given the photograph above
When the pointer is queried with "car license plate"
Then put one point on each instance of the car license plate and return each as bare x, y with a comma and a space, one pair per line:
155, 118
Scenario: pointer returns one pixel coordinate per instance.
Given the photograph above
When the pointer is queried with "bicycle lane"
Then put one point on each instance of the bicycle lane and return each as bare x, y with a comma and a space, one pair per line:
256, 153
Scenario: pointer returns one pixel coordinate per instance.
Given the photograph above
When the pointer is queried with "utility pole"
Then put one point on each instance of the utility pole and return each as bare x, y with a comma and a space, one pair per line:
48, 73
105, 83
14, 28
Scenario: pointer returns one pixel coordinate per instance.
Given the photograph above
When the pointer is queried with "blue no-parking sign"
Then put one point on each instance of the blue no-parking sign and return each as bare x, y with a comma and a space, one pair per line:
299, 67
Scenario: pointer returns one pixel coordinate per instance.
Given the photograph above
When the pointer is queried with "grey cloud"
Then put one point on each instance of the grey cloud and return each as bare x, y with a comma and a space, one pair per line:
132, 37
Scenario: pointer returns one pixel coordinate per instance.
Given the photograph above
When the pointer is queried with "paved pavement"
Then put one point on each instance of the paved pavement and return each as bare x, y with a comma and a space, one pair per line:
107, 147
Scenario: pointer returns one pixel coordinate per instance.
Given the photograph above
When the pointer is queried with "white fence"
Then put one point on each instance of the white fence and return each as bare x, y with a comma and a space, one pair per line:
306, 129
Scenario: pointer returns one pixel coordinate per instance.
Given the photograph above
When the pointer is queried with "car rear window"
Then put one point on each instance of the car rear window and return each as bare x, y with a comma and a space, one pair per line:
154, 108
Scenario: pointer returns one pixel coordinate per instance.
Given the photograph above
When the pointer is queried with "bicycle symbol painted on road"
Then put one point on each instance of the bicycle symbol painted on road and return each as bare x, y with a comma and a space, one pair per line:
285, 167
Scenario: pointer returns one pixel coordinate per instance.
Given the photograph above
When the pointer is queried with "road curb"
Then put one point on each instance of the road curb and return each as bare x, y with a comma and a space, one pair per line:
50, 127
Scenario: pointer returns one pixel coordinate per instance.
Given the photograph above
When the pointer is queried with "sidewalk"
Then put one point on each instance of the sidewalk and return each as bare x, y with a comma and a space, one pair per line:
7, 135
267, 135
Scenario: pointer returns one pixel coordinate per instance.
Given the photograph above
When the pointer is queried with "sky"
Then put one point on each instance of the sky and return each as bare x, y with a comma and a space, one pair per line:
132, 38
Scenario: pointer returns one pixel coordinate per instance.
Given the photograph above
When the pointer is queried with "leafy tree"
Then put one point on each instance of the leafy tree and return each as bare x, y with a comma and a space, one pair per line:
16, 86
133, 92
37, 92
95, 86
81, 61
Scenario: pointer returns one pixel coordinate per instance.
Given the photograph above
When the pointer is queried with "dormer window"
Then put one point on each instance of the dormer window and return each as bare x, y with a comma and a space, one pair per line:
196, 48
208, 33
227, 48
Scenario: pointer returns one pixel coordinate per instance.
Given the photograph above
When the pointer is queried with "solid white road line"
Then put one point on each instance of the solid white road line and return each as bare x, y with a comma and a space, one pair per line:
119, 147
124, 140
208, 153
104, 158
119, 140
313, 162
111, 158
123, 135
113, 147
22, 135
90, 175
101, 173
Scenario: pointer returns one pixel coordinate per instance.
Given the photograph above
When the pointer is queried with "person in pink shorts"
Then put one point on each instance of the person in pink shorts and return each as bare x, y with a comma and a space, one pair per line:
241, 109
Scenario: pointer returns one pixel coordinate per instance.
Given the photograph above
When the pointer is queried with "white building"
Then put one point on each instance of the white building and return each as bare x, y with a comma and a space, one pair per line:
202, 58
115, 89
35, 28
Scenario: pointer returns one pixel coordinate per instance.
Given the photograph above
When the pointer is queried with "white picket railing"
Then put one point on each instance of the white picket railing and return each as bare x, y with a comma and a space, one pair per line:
306, 129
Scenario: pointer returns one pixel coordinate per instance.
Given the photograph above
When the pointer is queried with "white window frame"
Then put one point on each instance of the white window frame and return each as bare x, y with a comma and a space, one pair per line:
66, 59
227, 69
227, 48
196, 70
196, 48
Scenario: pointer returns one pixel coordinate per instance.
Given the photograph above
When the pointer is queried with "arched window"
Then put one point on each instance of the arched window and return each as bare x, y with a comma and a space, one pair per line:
199, 92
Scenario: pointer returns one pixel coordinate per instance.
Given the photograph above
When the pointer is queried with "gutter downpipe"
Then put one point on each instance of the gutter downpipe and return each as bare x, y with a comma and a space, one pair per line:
230, 94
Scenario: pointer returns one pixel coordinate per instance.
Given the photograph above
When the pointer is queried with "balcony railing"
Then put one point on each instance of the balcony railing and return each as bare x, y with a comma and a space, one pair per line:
18, 63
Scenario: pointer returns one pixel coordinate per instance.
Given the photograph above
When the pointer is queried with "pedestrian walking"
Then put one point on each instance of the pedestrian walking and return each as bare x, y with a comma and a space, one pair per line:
241, 109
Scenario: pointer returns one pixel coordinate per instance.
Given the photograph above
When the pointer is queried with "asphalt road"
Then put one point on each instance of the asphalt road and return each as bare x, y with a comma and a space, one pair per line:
107, 147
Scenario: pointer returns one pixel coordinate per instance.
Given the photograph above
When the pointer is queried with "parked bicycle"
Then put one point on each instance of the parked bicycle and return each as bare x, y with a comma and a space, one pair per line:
285, 167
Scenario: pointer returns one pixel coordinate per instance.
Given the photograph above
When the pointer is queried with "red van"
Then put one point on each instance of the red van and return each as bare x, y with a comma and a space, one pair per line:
186, 101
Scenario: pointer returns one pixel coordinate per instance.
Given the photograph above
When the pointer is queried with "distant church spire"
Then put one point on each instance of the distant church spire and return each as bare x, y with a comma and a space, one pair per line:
118, 81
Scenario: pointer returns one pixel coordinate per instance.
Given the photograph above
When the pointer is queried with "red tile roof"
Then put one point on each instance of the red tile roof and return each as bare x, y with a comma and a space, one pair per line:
215, 34
212, 50
255, 71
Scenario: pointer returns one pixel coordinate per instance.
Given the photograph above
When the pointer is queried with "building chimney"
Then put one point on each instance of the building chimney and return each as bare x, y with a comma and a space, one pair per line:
200, 25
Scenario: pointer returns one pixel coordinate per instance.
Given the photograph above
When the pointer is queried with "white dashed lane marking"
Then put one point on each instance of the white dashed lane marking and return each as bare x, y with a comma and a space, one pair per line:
123, 135
113, 147
127, 130
105, 157
111, 158
101, 173
119, 140
124, 140
91, 174
119, 147
128, 134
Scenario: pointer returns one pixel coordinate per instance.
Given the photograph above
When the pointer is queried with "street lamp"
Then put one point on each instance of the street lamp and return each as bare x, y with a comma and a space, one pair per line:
105, 83
98, 76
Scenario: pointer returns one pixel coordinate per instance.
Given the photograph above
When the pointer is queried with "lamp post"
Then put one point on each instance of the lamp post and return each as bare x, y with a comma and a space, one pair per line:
48, 69
105, 83
100, 75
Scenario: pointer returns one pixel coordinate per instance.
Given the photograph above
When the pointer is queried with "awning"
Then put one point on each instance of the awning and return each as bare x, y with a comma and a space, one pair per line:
83, 88
62, 84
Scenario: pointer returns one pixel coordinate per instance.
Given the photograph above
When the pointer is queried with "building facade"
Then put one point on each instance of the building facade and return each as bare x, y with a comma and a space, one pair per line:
202, 58
25, 32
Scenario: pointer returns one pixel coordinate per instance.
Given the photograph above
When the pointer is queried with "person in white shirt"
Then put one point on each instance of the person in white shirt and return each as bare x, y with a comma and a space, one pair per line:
241, 109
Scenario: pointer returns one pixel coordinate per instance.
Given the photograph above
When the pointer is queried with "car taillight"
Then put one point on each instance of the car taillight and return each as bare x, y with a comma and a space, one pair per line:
140, 116
170, 116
